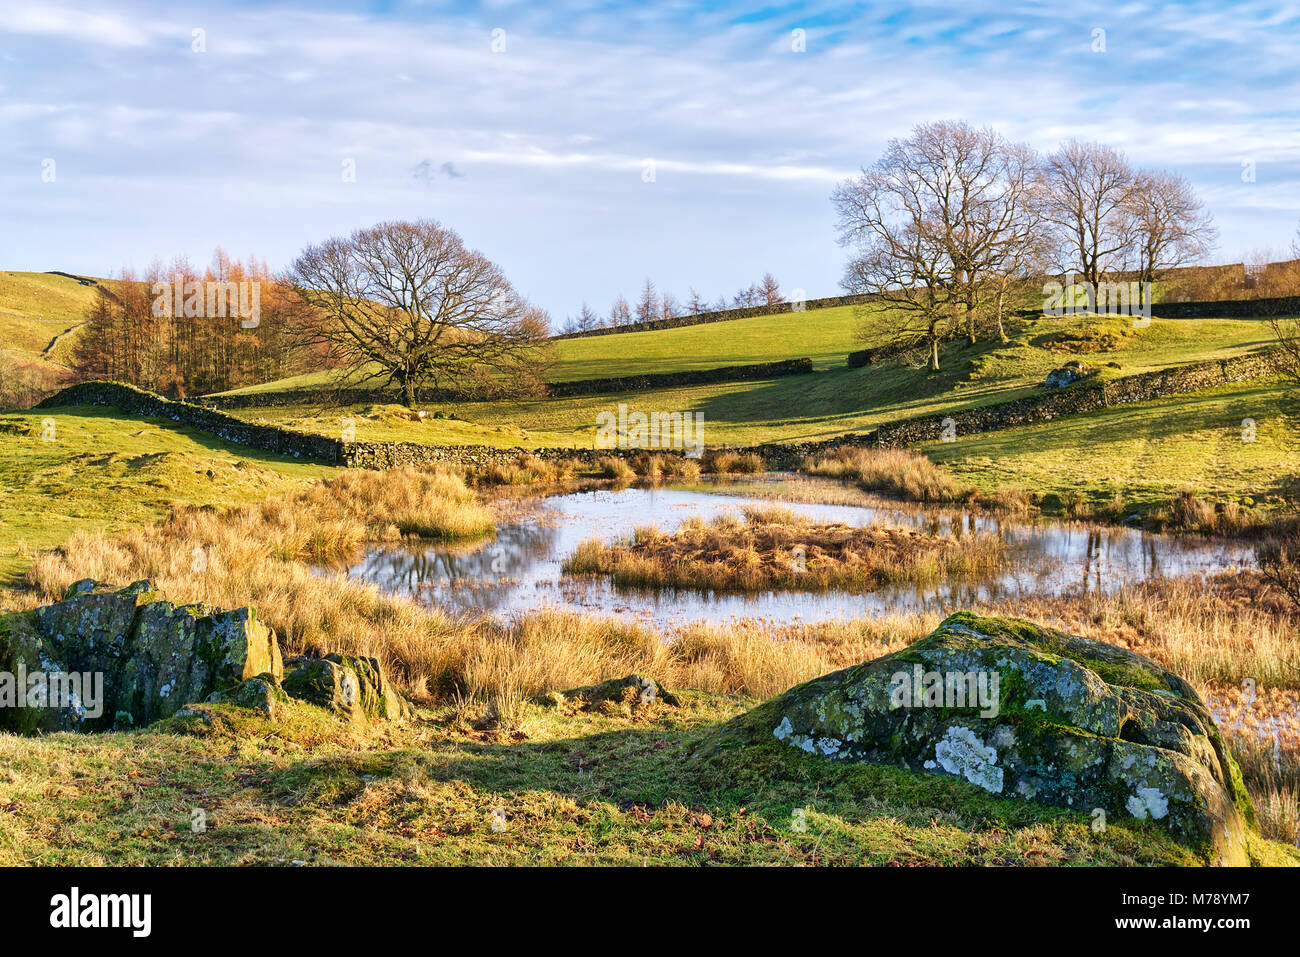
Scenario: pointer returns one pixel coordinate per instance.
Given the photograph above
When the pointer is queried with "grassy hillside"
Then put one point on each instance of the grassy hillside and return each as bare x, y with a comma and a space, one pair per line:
105, 471
37, 307
833, 401
1146, 453
827, 336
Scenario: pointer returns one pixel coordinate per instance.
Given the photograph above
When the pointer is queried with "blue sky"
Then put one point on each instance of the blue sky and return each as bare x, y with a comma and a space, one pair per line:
537, 152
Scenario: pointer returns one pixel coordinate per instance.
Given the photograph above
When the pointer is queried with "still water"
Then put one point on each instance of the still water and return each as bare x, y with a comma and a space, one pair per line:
519, 570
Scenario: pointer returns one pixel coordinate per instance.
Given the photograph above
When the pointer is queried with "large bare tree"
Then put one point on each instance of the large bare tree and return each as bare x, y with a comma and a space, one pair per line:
932, 223
407, 304
1088, 205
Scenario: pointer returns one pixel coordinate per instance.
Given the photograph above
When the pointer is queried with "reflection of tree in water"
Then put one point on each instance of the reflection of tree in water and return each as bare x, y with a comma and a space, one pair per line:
1043, 557
479, 576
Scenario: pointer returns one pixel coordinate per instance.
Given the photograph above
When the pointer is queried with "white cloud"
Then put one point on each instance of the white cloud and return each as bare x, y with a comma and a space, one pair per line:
747, 136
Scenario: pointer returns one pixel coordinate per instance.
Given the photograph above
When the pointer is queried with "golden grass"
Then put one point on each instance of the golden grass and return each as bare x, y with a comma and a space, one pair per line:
655, 467
724, 462
618, 469
528, 469
897, 472
773, 548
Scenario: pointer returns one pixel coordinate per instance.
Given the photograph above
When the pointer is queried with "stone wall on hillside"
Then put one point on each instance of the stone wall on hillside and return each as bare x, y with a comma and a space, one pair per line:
268, 438
1088, 395
632, 383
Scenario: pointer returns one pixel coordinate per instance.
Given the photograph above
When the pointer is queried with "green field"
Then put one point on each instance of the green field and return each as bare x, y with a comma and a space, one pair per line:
106, 471
36, 307
1147, 452
826, 403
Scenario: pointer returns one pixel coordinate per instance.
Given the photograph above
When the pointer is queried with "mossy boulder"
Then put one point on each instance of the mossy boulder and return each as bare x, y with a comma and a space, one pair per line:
616, 693
352, 687
130, 657
1024, 712
262, 694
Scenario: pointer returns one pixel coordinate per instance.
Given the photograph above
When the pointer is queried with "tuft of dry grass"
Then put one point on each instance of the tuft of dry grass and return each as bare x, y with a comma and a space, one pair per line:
772, 548
428, 504
913, 477
1188, 512
724, 462
654, 466
898, 472
528, 469
613, 467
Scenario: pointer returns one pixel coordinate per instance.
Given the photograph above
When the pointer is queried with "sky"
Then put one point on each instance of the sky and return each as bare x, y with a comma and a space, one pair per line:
585, 145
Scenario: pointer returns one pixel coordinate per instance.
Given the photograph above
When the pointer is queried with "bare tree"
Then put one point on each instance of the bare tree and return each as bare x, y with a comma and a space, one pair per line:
407, 304
696, 304
1170, 225
587, 319
747, 296
770, 290
669, 307
931, 222
1088, 205
620, 314
647, 307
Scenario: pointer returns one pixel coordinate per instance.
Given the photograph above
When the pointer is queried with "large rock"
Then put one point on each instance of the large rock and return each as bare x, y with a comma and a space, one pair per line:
1025, 712
616, 693
353, 688
129, 657
1068, 374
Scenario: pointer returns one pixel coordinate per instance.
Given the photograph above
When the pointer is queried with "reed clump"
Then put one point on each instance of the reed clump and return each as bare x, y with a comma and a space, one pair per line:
772, 548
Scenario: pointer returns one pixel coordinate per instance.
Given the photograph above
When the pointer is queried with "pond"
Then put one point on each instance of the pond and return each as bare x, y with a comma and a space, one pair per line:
520, 570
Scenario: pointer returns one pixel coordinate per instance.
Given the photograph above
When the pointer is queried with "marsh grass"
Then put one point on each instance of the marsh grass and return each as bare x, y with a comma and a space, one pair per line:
773, 548
1216, 632
725, 462
528, 469
616, 468
896, 472
656, 467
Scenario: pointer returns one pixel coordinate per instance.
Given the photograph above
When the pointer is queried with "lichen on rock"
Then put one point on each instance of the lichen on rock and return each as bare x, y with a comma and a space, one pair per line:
1078, 724
148, 658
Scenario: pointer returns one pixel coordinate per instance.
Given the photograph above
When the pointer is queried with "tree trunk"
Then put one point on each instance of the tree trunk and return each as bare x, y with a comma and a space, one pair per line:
934, 353
408, 393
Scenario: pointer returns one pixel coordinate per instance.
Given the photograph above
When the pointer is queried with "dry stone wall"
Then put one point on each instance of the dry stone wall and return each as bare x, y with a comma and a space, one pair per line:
1087, 395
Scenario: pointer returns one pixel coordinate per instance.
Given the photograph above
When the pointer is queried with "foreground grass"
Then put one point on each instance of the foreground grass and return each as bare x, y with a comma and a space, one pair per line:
573, 788
772, 548
590, 787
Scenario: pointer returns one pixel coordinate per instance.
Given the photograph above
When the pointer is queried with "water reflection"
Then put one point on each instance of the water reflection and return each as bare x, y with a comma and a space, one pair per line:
519, 570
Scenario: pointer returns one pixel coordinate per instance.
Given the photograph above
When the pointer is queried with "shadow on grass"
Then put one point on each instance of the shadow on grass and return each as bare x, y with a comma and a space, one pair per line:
763, 803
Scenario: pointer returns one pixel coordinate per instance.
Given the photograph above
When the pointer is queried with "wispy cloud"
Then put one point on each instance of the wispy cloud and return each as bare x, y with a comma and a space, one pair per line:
175, 127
